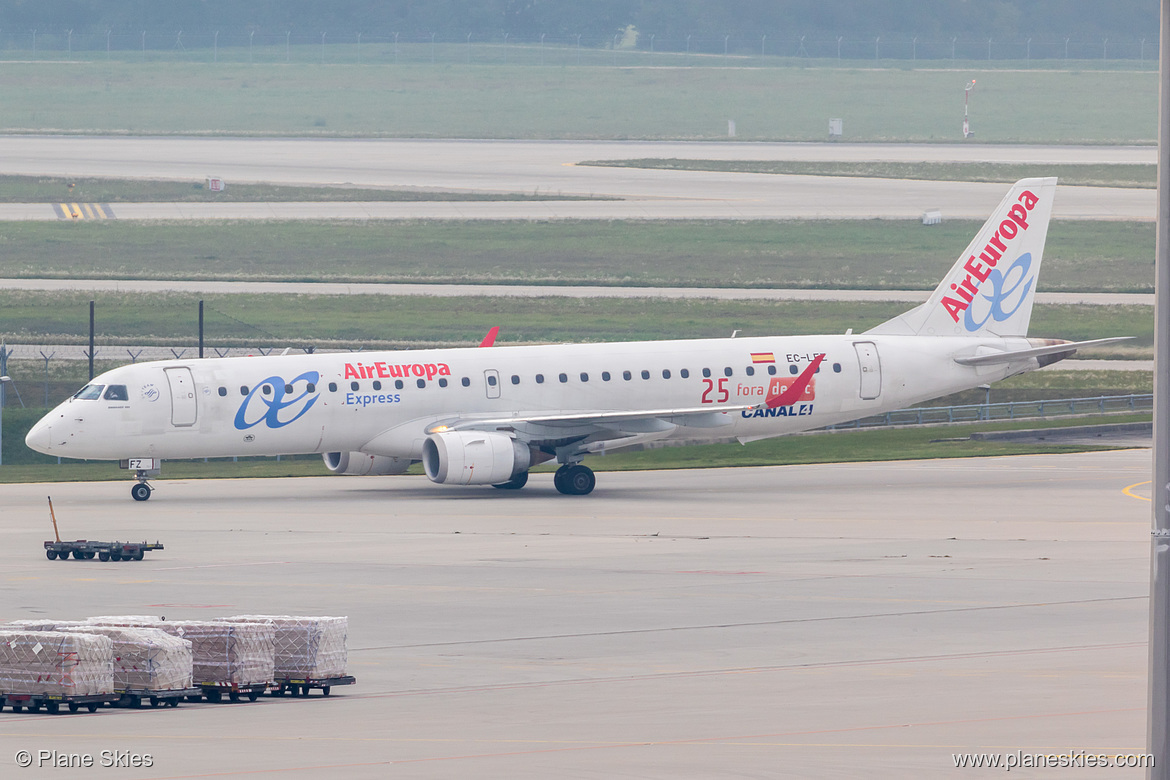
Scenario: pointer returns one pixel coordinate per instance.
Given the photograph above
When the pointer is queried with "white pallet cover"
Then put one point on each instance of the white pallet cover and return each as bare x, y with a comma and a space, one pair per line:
306, 647
55, 663
146, 658
40, 625
222, 653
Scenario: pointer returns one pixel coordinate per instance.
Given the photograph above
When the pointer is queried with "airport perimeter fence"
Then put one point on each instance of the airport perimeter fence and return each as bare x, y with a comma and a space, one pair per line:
1011, 410
629, 49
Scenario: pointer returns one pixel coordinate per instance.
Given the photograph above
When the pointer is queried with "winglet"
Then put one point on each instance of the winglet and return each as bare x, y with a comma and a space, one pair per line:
791, 394
490, 338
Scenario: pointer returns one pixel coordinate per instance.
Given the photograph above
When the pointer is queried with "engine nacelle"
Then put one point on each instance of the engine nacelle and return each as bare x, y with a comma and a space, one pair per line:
474, 457
359, 464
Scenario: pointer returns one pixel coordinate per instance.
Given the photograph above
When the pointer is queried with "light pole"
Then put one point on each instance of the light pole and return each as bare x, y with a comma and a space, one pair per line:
966, 100
4, 380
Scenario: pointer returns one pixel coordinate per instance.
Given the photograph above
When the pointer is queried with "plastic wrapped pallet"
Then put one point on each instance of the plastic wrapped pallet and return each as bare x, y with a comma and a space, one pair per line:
306, 647
222, 653
55, 663
40, 625
146, 658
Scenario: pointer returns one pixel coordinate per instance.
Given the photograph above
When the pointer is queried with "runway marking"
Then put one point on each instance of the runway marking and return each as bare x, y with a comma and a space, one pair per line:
1128, 490
77, 211
224, 565
754, 624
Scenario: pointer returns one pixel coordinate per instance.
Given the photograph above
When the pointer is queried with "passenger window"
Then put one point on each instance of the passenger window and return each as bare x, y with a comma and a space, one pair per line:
771, 370
89, 393
267, 389
118, 393
464, 381
836, 368
666, 373
377, 385
540, 379
645, 374
684, 373
333, 387
792, 369
243, 390
398, 384
312, 388
706, 372
750, 370
727, 371
491, 380
515, 379
584, 377
421, 383
223, 392
604, 376
563, 377
626, 375
288, 389
353, 386
443, 381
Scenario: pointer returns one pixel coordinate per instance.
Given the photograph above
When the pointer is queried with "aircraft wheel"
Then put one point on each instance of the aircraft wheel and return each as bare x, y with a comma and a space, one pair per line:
515, 483
140, 491
575, 480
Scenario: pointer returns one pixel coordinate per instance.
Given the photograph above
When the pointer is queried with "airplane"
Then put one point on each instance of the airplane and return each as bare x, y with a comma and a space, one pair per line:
486, 415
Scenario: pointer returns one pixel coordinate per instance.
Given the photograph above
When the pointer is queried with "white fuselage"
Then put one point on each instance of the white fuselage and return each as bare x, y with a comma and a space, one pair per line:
384, 403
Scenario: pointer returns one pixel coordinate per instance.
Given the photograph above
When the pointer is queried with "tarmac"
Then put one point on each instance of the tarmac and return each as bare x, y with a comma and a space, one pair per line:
868, 619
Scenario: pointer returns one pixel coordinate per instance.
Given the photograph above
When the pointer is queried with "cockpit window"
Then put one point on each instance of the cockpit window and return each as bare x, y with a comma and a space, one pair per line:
116, 393
89, 393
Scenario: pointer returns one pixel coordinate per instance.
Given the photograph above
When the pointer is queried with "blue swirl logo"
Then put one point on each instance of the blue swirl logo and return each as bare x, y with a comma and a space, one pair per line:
259, 407
1002, 289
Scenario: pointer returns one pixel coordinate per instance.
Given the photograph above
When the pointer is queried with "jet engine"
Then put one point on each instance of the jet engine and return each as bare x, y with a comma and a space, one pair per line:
359, 464
474, 457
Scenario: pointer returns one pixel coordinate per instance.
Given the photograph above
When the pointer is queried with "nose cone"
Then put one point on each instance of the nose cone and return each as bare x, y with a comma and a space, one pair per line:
40, 437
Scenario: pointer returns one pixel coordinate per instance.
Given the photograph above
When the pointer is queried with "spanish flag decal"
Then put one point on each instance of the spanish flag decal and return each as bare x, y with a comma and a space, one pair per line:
763, 357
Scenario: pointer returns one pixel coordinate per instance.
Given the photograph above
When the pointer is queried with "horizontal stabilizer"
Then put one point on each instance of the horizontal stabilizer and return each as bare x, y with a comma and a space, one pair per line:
1035, 352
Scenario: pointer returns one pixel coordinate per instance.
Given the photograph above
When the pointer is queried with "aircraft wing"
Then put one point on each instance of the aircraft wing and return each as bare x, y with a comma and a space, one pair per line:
1035, 352
699, 416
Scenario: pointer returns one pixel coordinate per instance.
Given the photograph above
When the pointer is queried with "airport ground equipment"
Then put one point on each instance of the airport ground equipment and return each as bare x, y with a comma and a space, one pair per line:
85, 549
301, 687
52, 703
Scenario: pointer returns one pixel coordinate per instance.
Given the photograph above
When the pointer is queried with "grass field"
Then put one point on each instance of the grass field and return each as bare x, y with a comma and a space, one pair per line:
48, 189
360, 320
902, 444
847, 254
509, 101
1090, 175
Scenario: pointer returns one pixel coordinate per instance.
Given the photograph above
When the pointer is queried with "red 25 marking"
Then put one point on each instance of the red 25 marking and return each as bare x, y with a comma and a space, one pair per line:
710, 385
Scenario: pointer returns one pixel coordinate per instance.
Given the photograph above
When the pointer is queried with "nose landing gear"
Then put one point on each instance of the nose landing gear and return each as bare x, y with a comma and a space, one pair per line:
140, 491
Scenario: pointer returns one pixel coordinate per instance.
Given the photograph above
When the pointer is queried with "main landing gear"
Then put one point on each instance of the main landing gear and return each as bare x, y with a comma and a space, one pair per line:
574, 480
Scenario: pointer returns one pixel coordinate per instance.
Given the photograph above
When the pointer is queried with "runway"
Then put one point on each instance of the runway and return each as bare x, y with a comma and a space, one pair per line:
832, 621
551, 168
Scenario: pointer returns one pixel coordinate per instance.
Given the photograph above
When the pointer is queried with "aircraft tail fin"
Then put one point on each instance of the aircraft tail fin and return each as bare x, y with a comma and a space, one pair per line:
990, 288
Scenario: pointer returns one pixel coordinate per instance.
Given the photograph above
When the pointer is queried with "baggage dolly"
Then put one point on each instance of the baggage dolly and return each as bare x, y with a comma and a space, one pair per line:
84, 549
134, 697
214, 692
52, 702
301, 686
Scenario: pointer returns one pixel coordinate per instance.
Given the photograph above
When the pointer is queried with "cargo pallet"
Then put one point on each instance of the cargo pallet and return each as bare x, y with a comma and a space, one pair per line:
214, 692
134, 697
301, 686
52, 702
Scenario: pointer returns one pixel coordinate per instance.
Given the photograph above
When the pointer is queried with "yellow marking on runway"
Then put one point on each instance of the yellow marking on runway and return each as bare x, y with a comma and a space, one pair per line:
1128, 491
83, 211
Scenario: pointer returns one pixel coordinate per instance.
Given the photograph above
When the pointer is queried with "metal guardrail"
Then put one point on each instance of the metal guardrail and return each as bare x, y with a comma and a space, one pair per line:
1012, 410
